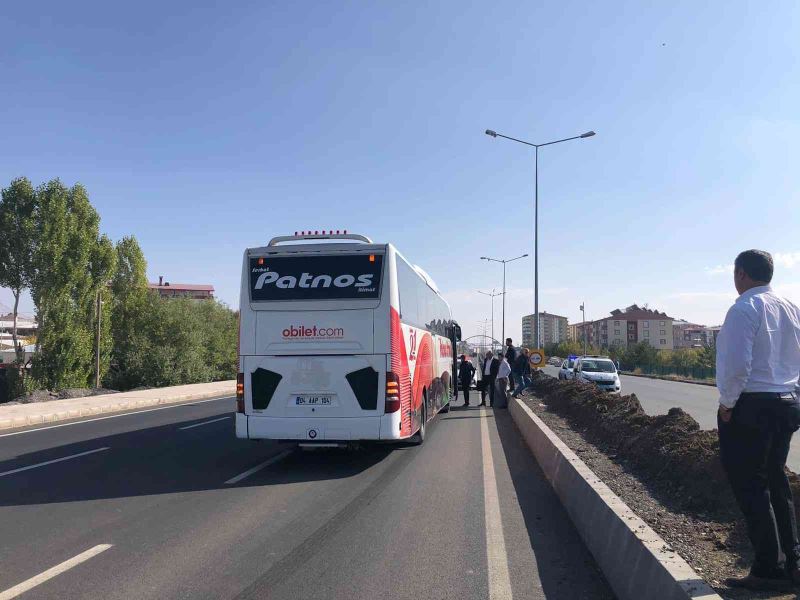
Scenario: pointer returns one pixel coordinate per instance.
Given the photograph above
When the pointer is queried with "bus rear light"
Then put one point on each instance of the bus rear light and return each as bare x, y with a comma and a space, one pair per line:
392, 392
240, 393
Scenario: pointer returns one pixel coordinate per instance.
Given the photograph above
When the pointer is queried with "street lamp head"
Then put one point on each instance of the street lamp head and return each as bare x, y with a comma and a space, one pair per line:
493, 133
484, 258
524, 255
587, 134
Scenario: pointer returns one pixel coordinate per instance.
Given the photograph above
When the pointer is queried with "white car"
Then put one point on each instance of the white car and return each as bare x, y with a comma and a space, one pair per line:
599, 370
565, 372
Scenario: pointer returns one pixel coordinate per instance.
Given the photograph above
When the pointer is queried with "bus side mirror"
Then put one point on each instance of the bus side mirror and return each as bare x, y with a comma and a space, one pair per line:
457, 332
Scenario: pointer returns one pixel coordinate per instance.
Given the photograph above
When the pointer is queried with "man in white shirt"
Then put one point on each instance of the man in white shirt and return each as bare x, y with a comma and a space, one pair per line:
758, 362
501, 385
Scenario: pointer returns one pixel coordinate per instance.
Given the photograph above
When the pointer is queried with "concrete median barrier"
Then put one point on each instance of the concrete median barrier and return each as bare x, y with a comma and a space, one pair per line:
636, 561
36, 413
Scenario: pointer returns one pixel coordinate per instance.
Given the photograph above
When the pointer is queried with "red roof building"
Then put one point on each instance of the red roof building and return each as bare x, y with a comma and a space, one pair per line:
192, 291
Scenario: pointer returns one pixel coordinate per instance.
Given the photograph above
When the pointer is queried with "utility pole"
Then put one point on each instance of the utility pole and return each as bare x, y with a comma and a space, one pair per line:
583, 310
97, 342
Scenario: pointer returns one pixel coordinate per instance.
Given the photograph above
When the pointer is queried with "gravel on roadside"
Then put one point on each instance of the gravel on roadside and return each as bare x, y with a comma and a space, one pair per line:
710, 535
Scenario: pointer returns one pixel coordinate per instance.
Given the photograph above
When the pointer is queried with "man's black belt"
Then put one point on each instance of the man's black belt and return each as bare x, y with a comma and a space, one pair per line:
769, 395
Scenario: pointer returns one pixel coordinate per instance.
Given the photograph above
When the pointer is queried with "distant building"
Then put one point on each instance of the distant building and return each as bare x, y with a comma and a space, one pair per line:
690, 335
630, 326
572, 333
555, 329
26, 327
711, 334
192, 291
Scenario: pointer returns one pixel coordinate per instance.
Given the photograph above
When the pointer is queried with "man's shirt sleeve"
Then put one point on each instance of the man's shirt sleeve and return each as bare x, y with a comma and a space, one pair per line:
735, 353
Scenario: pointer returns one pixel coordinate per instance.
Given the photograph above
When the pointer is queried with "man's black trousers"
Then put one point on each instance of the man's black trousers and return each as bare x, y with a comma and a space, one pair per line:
465, 388
753, 447
488, 388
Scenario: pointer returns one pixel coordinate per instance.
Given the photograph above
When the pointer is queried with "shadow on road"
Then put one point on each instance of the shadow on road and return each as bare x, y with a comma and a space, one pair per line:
566, 568
166, 460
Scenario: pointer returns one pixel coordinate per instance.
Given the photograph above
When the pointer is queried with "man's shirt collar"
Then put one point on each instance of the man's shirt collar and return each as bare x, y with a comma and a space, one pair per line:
759, 289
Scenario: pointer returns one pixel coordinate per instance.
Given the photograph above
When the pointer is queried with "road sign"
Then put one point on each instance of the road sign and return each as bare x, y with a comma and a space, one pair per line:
537, 359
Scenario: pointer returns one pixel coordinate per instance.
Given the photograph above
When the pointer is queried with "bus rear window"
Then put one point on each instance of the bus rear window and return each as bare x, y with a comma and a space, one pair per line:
340, 277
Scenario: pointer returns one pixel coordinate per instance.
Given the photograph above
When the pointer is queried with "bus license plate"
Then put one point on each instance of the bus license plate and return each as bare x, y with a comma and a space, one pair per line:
314, 400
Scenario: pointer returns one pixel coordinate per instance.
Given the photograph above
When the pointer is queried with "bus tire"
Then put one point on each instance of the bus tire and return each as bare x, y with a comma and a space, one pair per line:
419, 437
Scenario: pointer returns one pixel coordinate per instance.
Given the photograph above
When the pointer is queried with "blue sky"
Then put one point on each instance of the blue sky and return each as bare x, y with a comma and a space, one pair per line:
203, 128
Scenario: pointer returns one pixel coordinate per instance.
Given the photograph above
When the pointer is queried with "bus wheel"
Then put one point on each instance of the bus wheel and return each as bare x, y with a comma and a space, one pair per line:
419, 437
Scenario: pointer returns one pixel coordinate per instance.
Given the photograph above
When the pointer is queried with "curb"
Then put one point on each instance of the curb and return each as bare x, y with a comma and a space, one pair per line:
663, 378
64, 410
635, 560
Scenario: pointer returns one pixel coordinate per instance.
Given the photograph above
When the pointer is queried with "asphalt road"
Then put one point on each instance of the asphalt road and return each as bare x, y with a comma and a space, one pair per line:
657, 396
137, 506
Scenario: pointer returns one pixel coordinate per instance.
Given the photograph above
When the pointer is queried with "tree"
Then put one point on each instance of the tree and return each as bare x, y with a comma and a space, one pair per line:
17, 244
72, 265
706, 357
130, 310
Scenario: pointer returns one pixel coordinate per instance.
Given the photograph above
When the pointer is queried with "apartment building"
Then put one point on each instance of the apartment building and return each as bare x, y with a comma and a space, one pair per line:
555, 328
630, 326
572, 333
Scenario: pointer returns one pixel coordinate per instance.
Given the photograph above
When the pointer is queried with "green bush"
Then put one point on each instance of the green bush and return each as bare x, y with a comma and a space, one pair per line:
177, 341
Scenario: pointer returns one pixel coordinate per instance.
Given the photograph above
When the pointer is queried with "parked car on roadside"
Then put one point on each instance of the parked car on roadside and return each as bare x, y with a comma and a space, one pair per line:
565, 372
599, 370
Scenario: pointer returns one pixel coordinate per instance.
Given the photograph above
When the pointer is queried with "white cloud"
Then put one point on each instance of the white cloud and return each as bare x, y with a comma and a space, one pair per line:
786, 259
707, 295
719, 269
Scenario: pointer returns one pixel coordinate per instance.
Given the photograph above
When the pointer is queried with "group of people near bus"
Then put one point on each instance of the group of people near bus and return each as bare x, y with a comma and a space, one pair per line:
506, 372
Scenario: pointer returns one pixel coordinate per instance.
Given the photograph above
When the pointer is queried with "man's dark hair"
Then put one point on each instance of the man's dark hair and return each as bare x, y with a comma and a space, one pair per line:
508, 340
757, 264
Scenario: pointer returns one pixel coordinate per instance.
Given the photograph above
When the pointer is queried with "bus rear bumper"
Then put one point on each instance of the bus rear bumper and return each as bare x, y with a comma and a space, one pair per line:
308, 430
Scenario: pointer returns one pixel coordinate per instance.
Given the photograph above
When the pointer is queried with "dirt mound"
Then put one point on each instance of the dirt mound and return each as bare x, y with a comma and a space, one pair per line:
668, 452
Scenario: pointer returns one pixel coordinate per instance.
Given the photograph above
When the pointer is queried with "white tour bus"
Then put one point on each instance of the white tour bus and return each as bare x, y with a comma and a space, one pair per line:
340, 340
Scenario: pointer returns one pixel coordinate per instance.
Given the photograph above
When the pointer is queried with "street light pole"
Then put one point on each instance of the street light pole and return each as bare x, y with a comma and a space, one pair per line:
583, 310
536, 147
503, 328
491, 295
504, 261
536, 249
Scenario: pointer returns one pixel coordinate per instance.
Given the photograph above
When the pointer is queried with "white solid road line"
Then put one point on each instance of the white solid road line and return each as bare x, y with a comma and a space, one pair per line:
204, 423
127, 414
50, 462
499, 579
23, 587
257, 468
